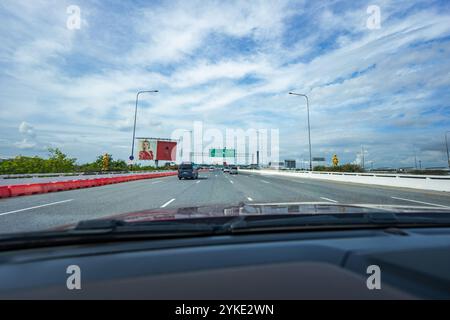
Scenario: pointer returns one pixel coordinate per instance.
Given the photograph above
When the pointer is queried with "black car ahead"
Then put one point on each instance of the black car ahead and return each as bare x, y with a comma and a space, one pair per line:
188, 170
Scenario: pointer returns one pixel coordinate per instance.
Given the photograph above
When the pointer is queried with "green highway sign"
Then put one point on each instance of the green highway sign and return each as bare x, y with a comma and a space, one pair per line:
222, 153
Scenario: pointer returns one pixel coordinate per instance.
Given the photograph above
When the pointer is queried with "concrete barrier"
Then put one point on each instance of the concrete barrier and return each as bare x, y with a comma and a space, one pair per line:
5, 192
422, 182
36, 188
25, 189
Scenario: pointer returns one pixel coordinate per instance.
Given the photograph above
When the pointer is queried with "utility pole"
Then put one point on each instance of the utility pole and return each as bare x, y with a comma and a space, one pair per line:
235, 148
415, 159
224, 151
203, 159
257, 147
362, 155
191, 142
446, 144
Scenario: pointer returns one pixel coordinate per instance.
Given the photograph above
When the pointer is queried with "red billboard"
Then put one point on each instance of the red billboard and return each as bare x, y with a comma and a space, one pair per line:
152, 149
166, 150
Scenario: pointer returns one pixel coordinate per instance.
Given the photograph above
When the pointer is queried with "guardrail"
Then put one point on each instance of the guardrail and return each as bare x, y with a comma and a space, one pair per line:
56, 186
423, 182
384, 175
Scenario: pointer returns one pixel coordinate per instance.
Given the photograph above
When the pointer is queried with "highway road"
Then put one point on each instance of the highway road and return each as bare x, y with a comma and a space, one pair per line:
44, 211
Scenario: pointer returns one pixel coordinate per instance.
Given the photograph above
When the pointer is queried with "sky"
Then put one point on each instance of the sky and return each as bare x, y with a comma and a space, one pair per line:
230, 65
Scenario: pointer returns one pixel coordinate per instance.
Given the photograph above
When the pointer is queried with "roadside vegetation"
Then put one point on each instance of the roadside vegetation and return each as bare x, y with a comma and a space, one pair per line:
58, 162
348, 167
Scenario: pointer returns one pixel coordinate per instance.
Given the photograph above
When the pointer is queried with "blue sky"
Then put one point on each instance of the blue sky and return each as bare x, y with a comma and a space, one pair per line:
229, 64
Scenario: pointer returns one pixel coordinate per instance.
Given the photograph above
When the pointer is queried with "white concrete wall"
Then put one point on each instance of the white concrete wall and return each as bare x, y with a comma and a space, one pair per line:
422, 182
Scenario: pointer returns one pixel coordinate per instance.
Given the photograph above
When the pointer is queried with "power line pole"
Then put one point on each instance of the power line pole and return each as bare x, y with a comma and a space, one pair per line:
415, 158
362, 155
257, 147
446, 144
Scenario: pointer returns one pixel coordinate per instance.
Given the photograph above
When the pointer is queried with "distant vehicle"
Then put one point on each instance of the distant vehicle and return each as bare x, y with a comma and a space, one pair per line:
187, 170
234, 170
211, 168
226, 169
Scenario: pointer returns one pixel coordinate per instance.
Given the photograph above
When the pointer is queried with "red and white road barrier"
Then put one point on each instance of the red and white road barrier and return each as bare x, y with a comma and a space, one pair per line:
37, 188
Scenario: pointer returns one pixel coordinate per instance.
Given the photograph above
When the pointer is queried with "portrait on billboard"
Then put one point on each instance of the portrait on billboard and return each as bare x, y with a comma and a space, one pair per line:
147, 149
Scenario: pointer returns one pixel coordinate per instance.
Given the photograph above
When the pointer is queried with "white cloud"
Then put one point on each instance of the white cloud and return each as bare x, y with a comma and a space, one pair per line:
196, 54
27, 129
25, 144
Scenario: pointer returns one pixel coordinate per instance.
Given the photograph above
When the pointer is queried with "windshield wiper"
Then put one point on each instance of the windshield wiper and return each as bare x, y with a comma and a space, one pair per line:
106, 230
311, 221
152, 227
246, 222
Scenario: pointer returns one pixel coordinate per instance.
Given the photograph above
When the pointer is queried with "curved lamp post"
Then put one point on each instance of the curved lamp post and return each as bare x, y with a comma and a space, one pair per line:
135, 116
309, 127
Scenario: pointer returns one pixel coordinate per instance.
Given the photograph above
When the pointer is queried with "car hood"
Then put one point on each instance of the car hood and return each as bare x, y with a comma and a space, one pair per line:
264, 209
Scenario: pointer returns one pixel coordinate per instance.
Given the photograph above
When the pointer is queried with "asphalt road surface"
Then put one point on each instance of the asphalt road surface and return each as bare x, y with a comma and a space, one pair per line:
44, 211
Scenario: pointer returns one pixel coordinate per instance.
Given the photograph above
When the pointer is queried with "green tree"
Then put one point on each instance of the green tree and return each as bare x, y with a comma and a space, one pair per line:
59, 162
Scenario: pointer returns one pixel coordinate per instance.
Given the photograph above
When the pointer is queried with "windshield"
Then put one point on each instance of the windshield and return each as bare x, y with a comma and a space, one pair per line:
121, 110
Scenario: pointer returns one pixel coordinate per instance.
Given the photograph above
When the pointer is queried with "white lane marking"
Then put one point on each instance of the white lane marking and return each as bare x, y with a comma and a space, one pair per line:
431, 204
249, 199
327, 199
231, 181
156, 182
265, 181
167, 203
198, 182
36, 207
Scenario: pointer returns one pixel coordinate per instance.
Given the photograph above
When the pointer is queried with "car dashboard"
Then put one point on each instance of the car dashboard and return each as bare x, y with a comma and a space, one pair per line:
413, 264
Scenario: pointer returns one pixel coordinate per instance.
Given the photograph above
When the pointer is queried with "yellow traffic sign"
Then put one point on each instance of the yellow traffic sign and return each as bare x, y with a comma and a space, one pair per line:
335, 160
105, 162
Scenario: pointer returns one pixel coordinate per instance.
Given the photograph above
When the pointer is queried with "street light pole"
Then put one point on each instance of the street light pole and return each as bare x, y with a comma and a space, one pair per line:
309, 126
192, 146
191, 142
257, 147
362, 155
135, 117
415, 158
446, 144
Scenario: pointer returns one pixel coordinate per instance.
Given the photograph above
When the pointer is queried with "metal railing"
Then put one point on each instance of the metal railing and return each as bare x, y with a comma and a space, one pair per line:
366, 174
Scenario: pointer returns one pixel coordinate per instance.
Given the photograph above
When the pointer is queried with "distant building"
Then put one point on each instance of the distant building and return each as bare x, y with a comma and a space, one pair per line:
290, 164
276, 165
